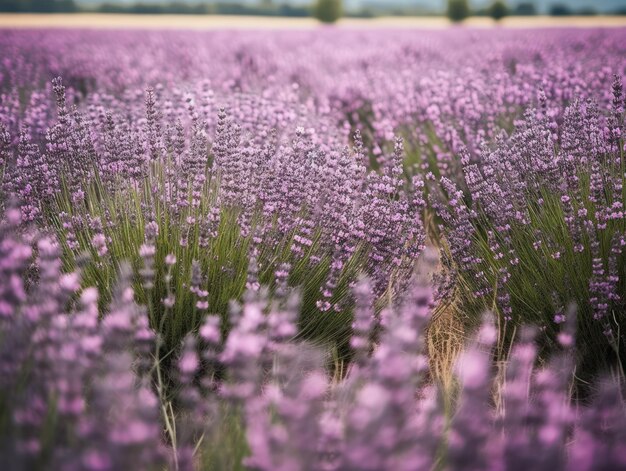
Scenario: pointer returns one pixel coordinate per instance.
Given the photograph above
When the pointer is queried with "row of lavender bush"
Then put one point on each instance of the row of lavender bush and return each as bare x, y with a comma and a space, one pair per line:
265, 170
80, 392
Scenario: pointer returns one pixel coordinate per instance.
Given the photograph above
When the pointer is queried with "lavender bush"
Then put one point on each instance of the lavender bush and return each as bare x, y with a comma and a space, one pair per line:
79, 392
216, 249
543, 224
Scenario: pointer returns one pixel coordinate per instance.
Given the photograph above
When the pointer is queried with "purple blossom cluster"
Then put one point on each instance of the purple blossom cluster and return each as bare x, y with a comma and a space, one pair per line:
73, 394
85, 392
537, 220
313, 201
462, 86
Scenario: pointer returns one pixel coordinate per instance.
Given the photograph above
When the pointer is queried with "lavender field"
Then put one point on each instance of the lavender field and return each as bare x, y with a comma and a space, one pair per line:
327, 249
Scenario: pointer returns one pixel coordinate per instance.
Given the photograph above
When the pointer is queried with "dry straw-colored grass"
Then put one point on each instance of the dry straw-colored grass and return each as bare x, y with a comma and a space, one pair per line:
214, 22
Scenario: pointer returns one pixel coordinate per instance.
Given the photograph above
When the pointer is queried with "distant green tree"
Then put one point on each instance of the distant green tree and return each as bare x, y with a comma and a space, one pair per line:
458, 10
525, 9
327, 11
498, 10
560, 9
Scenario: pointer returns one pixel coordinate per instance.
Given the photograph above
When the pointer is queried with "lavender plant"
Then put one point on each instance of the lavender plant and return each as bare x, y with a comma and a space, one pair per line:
539, 223
71, 397
165, 190
84, 392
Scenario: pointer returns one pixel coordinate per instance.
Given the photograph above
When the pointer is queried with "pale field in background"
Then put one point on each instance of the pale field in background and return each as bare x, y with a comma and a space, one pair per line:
208, 22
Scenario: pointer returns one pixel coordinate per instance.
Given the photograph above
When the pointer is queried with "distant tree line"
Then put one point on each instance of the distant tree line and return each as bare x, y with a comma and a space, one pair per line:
218, 8
38, 6
325, 10
458, 10
263, 9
